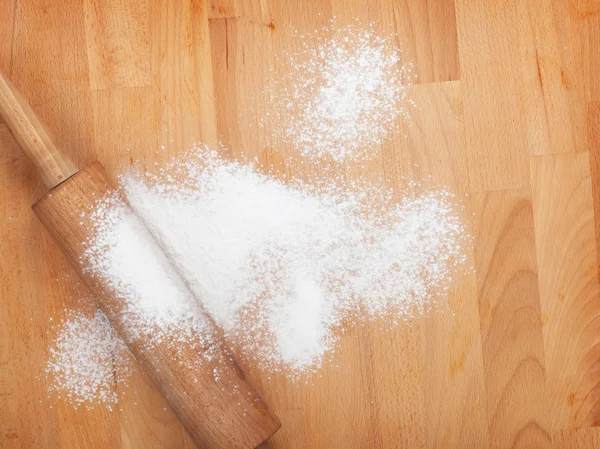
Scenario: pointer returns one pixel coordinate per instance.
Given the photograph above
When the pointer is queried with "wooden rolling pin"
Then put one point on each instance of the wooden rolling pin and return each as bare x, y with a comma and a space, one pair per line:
218, 414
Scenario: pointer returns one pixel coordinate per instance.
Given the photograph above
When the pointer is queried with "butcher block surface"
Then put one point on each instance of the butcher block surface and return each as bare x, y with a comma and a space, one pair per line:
507, 116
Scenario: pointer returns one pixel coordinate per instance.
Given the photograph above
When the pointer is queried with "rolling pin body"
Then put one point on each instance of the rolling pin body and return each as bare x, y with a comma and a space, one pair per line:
219, 412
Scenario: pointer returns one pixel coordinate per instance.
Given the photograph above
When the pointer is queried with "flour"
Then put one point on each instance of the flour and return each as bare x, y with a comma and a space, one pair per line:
341, 94
123, 255
87, 361
281, 266
156, 308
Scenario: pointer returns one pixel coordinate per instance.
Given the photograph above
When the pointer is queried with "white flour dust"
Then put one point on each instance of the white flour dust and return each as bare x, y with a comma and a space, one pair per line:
156, 306
87, 361
341, 94
123, 255
280, 266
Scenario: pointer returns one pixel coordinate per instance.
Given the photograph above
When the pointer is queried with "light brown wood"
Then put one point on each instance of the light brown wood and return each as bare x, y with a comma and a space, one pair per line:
54, 167
223, 413
118, 41
524, 87
569, 289
511, 327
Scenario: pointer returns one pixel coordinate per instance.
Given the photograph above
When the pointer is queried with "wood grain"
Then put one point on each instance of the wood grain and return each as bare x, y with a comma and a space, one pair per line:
553, 80
428, 30
512, 128
496, 143
49, 64
7, 12
118, 43
593, 123
224, 9
569, 289
587, 14
182, 66
511, 326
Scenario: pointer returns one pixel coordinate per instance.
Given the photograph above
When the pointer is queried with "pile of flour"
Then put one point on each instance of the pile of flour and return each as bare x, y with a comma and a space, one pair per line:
340, 94
280, 266
87, 361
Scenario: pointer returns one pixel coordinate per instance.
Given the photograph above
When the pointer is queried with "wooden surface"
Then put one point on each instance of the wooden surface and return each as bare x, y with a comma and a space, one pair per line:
508, 114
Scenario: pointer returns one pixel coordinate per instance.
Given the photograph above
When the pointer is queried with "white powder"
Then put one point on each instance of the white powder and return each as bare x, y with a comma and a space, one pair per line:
281, 266
87, 361
341, 93
124, 256
299, 328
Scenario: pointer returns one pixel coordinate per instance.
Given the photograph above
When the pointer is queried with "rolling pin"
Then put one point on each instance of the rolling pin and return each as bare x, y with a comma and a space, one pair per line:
219, 412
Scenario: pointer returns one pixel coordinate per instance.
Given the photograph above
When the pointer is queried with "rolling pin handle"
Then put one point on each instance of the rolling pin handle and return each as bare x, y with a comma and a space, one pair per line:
32, 136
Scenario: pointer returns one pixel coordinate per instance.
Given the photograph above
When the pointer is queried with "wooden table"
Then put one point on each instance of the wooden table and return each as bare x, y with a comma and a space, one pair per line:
508, 116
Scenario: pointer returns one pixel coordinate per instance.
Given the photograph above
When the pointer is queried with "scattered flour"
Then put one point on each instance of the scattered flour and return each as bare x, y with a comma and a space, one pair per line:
124, 256
87, 361
156, 306
341, 94
280, 266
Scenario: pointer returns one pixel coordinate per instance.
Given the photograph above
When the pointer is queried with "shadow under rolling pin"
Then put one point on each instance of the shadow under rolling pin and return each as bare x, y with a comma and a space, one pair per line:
221, 412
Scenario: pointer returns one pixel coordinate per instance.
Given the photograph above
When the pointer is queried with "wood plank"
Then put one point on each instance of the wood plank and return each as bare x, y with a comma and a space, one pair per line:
509, 311
99, 422
50, 67
425, 31
430, 151
239, 83
523, 87
22, 291
28, 419
182, 67
118, 43
587, 12
569, 289
146, 419
593, 122
428, 33
400, 414
454, 387
224, 9
7, 21
496, 143
553, 80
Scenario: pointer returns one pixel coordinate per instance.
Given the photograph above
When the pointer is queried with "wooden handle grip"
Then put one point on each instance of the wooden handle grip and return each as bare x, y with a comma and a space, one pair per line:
32, 137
